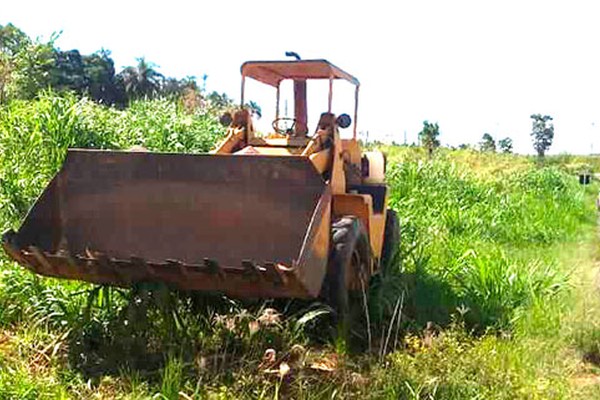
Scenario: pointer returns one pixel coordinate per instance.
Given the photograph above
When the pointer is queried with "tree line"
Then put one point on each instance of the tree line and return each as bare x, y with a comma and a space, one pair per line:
542, 134
28, 66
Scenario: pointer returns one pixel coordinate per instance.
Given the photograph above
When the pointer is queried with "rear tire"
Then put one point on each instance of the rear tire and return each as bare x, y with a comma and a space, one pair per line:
349, 262
391, 240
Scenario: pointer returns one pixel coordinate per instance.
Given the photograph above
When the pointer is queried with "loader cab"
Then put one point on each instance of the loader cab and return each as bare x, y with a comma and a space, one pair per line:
294, 125
300, 77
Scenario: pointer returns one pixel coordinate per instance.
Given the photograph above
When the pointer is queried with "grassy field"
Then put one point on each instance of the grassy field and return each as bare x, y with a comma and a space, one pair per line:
492, 296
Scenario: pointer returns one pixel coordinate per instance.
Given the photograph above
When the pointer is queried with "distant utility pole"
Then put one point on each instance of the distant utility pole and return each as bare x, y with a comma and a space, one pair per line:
405, 137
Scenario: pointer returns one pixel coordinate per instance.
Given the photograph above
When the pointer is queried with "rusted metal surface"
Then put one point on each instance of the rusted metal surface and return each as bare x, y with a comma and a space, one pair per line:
300, 108
273, 72
314, 255
238, 225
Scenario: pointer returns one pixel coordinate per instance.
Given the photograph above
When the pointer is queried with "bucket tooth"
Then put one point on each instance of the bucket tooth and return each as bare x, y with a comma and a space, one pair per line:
64, 261
135, 260
251, 270
42, 260
140, 266
176, 264
273, 274
214, 268
89, 265
107, 264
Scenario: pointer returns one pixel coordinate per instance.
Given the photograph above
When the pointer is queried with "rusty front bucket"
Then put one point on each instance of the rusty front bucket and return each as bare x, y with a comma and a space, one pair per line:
248, 226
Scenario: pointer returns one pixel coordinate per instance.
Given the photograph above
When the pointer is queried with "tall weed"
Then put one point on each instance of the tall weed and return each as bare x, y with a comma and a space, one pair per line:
461, 231
35, 136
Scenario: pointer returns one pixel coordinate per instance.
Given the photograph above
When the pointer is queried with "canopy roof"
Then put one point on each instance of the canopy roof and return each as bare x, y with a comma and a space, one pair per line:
273, 72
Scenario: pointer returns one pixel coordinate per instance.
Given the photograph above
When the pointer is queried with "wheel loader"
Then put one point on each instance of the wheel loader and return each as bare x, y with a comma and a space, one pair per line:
293, 213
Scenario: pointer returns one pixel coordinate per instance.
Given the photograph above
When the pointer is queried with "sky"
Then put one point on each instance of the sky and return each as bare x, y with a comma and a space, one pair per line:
471, 66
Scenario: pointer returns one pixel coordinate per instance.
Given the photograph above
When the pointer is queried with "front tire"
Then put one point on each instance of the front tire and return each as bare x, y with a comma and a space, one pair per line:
349, 264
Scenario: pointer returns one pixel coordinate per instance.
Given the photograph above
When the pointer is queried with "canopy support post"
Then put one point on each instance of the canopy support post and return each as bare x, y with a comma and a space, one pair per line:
355, 110
330, 100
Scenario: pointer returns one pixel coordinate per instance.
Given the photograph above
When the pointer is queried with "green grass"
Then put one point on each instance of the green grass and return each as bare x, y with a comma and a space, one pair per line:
492, 294
461, 235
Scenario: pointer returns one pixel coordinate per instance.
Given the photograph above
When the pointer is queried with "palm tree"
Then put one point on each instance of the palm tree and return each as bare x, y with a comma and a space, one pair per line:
142, 80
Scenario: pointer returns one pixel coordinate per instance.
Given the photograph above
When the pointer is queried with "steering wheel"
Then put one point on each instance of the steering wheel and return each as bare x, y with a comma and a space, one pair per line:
290, 125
